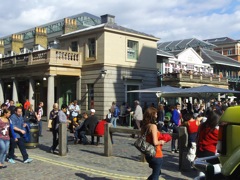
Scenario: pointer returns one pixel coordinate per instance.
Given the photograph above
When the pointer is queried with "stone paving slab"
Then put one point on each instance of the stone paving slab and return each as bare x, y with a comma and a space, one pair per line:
88, 162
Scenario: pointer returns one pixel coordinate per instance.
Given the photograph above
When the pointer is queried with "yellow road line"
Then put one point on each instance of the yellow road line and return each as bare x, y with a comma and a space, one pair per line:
85, 169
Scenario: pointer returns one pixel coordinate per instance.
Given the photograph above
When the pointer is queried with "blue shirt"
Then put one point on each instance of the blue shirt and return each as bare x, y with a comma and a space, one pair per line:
175, 117
17, 122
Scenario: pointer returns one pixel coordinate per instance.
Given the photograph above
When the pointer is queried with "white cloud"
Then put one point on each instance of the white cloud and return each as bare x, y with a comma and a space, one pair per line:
168, 20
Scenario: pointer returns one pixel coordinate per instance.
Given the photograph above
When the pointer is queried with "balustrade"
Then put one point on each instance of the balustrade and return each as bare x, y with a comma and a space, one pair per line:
50, 56
205, 78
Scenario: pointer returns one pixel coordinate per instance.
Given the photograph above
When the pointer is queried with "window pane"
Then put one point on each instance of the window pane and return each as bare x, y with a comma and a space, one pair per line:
91, 47
132, 49
74, 46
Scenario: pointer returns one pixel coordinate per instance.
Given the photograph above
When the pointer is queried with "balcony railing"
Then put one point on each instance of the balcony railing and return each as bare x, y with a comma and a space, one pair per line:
233, 79
52, 57
194, 78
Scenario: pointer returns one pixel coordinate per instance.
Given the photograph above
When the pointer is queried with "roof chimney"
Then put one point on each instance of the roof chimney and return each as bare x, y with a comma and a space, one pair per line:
41, 36
1, 46
70, 25
17, 43
107, 18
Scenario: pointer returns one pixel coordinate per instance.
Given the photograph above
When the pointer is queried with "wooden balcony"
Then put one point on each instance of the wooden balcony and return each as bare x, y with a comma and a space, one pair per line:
52, 57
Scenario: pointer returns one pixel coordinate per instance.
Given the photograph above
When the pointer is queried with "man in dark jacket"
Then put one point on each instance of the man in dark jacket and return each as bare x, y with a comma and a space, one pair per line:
89, 127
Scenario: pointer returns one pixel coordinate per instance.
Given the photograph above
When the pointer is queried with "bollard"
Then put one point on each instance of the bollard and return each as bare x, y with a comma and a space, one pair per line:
107, 141
184, 163
62, 139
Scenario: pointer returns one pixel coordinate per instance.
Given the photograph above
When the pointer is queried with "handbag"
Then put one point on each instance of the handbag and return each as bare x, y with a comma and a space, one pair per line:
144, 147
49, 123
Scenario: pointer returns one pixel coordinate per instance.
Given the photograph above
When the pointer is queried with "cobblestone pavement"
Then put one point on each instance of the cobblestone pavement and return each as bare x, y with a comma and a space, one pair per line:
88, 162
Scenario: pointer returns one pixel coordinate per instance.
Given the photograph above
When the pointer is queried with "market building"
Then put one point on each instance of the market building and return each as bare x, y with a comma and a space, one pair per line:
188, 62
83, 57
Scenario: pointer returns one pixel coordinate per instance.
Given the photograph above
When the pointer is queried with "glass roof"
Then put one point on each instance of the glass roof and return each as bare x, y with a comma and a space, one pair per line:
83, 20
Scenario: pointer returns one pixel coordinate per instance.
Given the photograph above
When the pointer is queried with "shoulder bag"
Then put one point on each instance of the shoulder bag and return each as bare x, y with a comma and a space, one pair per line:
144, 147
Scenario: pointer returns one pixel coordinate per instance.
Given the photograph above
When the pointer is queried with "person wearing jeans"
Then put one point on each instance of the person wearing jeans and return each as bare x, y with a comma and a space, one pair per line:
176, 120
20, 130
156, 165
114, 117
153, 136
4, 136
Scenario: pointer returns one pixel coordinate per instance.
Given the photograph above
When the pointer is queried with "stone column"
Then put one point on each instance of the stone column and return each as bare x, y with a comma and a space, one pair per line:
31, 92
180, 102
50, 94
14, 89
1, 92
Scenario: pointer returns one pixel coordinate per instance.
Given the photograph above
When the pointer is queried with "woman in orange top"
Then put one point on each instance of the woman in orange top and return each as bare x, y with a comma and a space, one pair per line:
153, 137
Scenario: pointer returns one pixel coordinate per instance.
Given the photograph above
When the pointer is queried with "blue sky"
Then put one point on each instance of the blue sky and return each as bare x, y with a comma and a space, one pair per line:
165, 19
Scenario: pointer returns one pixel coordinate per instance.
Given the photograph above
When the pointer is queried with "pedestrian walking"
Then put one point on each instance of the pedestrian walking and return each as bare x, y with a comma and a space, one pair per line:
20, 130
115, 114
149, 127
4, 136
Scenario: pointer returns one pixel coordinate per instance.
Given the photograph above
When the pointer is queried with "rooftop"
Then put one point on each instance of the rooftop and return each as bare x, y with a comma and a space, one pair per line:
179, 45
83, 20
221, 40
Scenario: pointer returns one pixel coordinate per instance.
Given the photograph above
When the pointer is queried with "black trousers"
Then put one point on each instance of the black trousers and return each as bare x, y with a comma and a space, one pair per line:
21, 145
55, 134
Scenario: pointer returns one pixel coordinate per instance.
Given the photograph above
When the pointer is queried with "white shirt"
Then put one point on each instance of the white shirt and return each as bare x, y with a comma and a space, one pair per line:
138, 115
75, 110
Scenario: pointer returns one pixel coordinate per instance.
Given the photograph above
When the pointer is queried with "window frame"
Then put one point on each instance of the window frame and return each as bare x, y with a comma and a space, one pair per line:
74, 46
90, 95
133, 48
91, 47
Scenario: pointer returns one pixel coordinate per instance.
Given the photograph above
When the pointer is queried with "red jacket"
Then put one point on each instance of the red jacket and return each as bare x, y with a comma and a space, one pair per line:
207, 140
26, 105
99, 130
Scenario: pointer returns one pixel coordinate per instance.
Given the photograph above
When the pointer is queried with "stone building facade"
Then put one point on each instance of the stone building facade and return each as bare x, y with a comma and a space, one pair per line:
95, 65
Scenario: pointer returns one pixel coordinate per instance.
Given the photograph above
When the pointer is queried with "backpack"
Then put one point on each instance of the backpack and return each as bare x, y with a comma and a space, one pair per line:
116, 112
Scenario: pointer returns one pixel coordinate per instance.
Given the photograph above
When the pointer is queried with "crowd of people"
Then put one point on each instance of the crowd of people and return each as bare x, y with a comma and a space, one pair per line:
13, 130
201, 121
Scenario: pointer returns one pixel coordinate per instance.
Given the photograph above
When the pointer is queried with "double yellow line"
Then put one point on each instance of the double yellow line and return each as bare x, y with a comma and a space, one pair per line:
86, 170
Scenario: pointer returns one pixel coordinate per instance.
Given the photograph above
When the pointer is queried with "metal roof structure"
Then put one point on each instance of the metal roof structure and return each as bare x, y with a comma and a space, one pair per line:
222, 40
180, 45
164, 53
213, 57
83, 20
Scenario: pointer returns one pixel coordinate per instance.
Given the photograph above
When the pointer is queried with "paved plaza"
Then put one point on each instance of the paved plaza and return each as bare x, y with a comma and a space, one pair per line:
89, 162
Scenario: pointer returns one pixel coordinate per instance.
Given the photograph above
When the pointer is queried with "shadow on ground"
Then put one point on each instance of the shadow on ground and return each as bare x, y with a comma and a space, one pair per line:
83, 176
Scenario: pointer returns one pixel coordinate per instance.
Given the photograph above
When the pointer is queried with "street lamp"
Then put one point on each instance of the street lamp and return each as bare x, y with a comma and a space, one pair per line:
103, 73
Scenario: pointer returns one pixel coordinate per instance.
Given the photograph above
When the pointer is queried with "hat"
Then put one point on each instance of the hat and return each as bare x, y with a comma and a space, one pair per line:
92, 110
